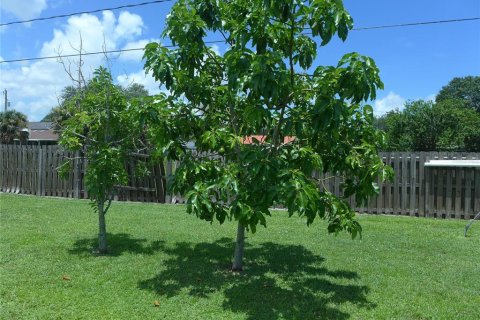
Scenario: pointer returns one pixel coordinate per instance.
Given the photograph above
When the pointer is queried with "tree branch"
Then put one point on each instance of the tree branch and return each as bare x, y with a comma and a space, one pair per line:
276, 138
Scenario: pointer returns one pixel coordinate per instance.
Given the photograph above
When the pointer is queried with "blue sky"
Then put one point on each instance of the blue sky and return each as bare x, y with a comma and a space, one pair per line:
415, 62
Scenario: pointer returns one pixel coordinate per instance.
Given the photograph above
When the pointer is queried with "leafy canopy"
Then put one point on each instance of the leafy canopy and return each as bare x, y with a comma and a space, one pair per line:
101, 127
266, 84
466, 89
72, 95
11, 122
427, 126
135, 91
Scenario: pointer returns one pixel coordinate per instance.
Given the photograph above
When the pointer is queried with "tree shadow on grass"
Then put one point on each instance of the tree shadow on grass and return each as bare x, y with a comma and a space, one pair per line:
118, 244
281, 281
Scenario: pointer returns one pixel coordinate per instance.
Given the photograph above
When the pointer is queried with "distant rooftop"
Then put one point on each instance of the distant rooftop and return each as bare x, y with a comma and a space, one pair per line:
41, 131
261, 139
39, 125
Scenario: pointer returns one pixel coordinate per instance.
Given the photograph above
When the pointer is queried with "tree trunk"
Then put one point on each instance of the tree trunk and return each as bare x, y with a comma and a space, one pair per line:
102, 229
240, 244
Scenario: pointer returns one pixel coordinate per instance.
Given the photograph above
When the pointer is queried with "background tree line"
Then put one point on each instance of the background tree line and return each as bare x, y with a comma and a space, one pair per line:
12, 121
450, 123
60, 113
11, 124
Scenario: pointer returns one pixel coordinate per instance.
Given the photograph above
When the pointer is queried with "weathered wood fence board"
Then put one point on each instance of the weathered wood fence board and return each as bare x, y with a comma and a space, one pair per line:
34, 169
416, 190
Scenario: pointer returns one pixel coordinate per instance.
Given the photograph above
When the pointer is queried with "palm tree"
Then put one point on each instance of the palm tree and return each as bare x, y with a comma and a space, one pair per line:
11, 122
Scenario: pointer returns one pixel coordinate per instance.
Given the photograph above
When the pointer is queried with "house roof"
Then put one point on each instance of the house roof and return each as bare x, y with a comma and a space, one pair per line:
39, 125
261, 139
41, 131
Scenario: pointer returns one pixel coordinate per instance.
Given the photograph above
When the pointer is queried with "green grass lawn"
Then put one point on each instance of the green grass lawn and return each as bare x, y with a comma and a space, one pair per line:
403, 268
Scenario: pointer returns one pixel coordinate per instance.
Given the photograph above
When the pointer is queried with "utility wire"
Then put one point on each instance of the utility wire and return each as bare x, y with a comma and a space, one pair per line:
82, 12
93, 53
223, 41
416, 24
163, 1
73, 55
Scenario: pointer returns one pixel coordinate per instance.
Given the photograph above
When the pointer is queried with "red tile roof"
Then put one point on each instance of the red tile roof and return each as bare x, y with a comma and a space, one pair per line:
260, 138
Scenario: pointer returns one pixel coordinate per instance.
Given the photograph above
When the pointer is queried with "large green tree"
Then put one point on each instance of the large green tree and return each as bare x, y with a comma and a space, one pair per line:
101, 127
427, 126
265, 82
11, 123
135, 91
466, 89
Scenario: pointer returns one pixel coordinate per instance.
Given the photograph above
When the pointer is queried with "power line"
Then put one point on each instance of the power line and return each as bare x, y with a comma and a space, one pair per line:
222, 41
82, 12
416, 24
72, 55
163, 1
92, 53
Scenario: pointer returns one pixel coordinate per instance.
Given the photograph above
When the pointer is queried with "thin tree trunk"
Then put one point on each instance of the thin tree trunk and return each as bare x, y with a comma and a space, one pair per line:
239, 246
102, 229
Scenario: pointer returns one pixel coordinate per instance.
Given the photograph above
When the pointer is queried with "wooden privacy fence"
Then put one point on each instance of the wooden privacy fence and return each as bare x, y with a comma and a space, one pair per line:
33, 169
415, 191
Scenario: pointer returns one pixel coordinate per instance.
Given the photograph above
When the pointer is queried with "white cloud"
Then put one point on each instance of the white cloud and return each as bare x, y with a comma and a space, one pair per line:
141, 78
129, 25
33, 88
394, 101
216, 49
431, 97
23, 9
136, 55
96, 34
391, 102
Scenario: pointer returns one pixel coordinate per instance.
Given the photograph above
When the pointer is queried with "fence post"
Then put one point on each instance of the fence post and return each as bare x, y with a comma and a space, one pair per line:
380, 197
428, 179
448, 194
2, 168
396, 182
469, 175
160, 181
413, 184
388, 186
168, 196
17, 164
76, 175
403, 197
39, 171
476, 202
458, 192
